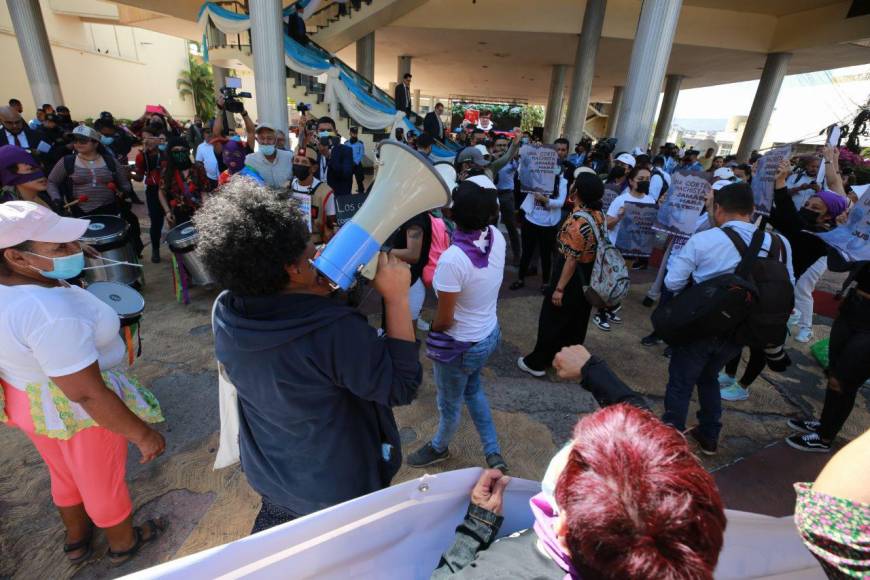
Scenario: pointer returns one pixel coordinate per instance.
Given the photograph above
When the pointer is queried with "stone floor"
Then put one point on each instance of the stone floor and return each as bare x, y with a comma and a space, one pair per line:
533, 417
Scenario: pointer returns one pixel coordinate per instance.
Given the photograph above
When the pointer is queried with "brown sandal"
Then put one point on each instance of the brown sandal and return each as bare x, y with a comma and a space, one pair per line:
155, 528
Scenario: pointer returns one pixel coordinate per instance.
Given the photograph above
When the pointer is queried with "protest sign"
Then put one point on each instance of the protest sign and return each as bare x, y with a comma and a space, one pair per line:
346, 206
303, 204
539, 165
764, 176
611, 192
636, 236
684, 200
852, 239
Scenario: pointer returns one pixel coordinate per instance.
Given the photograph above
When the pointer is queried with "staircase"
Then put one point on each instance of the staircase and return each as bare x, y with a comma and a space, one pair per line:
334, 33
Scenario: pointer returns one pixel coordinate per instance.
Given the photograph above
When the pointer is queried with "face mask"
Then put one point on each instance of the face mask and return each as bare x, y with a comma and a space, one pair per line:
643, 187
64, 267
267, 150
353, 139
809, 216
162, 146
524, 140
301, 172
107, 140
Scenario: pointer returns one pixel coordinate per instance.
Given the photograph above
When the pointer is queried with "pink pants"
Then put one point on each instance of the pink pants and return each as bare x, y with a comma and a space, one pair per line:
87, 469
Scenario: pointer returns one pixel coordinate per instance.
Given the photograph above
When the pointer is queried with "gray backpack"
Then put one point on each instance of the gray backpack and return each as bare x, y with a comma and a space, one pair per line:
609, 282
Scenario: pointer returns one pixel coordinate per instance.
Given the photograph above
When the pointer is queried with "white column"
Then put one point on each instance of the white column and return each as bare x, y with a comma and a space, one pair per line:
554, 103
270, 78
415, 100
584, 69
646, 70
404, 67
772, 76
35, 51
613, 113
365, 56
666, 114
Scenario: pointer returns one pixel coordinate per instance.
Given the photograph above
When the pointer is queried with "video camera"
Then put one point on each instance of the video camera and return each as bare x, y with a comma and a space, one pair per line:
605, 146
303, 108
231, 94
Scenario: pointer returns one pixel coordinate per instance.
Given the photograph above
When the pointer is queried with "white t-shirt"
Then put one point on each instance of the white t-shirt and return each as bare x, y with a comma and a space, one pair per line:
295, 187
475, 315
613, 210
205, 155
53, 332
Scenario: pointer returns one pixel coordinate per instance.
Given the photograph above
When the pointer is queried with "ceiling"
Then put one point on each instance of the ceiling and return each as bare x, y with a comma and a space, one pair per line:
771, 7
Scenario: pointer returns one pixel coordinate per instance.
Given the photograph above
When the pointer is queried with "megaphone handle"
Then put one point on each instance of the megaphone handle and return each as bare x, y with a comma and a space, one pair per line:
370, 269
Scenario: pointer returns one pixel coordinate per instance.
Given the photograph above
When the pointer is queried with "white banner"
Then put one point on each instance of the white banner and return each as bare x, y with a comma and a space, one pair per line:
852, 239
678, 214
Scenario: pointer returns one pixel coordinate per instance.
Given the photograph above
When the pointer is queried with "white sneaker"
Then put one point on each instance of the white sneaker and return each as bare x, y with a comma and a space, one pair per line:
794, 318
804, 335
522, 366
423, 325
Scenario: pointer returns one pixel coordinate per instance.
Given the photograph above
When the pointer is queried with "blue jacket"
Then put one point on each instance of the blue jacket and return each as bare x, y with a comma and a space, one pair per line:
339, 175
315, 386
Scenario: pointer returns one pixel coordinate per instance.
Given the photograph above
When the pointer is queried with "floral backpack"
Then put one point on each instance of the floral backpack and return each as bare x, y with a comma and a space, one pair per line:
609, 282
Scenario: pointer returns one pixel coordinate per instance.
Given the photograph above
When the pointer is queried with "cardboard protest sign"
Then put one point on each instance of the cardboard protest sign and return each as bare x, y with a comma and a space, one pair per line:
539, 165
303, 204
636, 235
764, 176
683, 202
611, 192
346, 206
852, 239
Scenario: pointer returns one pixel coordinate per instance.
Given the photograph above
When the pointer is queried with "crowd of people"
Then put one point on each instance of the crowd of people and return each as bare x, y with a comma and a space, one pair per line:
316, 383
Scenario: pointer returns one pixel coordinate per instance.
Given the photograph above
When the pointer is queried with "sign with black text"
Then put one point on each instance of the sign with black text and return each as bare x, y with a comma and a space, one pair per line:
678, 214
611, 192
346, 206
636, 235
764, 176
852, 239
539, 166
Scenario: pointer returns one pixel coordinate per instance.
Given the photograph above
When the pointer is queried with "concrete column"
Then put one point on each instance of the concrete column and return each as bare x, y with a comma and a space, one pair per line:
415, 100
35, 51
646, 70
666, 114
613, 113
554, 103
270, 78
404, 67
584, 69
775, 68
365, 56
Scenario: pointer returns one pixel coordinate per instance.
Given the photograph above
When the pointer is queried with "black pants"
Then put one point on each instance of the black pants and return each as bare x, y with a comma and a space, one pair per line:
561, 326
155, 213
543, 239
359, 174
509, 219
756, 363
271, 515
850, 363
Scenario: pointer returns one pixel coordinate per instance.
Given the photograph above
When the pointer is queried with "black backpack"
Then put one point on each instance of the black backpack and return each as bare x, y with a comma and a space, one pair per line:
738, 305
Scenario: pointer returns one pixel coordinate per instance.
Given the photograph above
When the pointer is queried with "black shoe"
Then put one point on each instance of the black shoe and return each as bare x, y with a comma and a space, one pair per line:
809, 442
426, 456
517, 285
648, 302
651, 340
804, 426
640, 265
495, 461
600, 320
708, 447
155, 258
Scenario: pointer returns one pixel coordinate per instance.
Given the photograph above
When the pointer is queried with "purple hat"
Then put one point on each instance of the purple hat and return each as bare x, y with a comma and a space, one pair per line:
10, 156
835, 202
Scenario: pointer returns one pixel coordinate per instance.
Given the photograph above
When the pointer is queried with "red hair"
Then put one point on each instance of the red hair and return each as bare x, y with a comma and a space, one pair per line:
638, 503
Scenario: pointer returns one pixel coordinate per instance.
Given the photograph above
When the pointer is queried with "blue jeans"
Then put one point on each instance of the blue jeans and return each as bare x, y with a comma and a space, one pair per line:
460, 380
699, 364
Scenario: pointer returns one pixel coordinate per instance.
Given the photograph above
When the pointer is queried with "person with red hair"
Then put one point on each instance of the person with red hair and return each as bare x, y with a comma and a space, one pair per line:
631, 501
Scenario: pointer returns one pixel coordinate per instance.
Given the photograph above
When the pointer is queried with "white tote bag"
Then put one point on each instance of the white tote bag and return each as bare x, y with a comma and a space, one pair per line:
228, 400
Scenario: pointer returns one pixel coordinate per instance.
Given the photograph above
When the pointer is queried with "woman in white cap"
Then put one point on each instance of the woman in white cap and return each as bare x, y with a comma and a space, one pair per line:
59, 384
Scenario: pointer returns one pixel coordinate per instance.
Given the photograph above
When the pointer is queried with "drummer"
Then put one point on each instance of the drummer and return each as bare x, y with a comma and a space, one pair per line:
59, 384
184, 186
21, 177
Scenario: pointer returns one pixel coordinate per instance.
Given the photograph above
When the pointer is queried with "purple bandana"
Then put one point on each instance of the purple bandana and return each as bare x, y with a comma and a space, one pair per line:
545, 520
11, 156
476, 245
835, 202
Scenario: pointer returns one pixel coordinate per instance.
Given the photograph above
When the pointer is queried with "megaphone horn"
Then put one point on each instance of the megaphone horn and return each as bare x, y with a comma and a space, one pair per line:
406, 185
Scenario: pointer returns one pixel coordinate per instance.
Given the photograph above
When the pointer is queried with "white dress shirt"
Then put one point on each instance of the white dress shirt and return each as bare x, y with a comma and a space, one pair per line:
205, 155
19, 140
549, 215
711, 253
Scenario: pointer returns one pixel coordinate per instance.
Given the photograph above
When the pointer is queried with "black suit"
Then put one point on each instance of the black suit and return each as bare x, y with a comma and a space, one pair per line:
28, 139
403, 98
296, 29
432, 124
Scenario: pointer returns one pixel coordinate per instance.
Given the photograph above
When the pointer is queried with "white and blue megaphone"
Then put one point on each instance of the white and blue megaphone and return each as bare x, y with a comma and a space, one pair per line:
406, 185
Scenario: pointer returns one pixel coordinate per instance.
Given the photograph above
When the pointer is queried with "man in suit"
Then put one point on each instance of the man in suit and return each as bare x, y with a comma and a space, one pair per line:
17, 132
432, 123
403, 94
335, 161
296, 26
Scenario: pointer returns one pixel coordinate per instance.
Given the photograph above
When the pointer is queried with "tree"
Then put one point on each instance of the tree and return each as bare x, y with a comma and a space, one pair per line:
533, 116
198, 83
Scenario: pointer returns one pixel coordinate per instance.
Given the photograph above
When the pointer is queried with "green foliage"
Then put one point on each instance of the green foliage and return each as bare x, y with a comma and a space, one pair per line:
533, 116
198, 83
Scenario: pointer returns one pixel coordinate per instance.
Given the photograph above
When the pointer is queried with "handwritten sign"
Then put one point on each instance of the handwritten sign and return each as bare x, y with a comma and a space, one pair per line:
346, 206
852, 239
539, 165
764, 176
611, 192
636, 235
684, 200
302, 202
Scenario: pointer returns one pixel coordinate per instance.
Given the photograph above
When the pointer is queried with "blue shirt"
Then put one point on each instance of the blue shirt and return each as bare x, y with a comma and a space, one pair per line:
670, 164
506, 175
359, 151
577, 159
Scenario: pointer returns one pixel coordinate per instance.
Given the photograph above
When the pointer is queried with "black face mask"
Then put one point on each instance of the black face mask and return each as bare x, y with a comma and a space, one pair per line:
810, 217
301, 172
181, 160
643, 187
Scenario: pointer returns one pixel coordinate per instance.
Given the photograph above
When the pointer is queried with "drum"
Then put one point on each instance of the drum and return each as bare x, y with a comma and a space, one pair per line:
128, 304
110, 235
182, 240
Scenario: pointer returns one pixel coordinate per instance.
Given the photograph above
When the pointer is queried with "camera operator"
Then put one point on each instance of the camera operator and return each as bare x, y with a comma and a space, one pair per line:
335, 161
219, 129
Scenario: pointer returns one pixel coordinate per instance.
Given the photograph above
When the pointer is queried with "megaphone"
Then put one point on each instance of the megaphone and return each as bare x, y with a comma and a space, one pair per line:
406, 185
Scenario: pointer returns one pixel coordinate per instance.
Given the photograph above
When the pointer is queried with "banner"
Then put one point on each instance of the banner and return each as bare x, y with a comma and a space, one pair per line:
684, 200
611, 192
852, 239
346, 206
636, 235
539, 165
764, 176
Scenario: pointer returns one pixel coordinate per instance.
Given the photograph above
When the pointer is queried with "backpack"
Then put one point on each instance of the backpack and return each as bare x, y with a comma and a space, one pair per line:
609, 282
665, 186
440, 242
69, 167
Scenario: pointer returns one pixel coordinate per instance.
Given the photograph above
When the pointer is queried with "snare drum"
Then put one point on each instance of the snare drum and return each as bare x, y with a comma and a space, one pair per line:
129, 305
110, 235
182, 240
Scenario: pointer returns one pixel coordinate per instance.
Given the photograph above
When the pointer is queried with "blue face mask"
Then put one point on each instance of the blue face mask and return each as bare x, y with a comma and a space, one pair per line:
162, 146
64, 267
267, 150
524, 140
107, 140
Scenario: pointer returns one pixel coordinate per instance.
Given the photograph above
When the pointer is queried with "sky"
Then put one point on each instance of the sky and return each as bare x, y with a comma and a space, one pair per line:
807, 102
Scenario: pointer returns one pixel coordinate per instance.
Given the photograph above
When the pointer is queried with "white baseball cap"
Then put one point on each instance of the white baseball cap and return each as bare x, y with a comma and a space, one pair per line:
723, 173
717, 185
25, 221
583, 169
638, 151
482, 149
85, 131
627, 159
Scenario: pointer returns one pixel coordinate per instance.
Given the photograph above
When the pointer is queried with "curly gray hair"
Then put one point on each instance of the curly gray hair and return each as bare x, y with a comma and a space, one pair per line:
247, 235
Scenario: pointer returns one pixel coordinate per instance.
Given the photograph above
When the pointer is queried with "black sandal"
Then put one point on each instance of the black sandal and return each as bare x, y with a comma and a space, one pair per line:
155, 526
86, 542
517, 285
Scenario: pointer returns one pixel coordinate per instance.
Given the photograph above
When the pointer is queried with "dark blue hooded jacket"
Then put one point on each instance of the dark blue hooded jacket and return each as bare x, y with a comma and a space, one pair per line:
315, 386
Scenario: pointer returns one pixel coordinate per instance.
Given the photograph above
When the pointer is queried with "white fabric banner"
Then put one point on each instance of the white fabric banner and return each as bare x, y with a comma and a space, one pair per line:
225, 21
337, 93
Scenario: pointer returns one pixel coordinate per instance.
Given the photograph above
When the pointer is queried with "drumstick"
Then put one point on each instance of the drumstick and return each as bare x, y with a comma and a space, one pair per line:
81, 199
